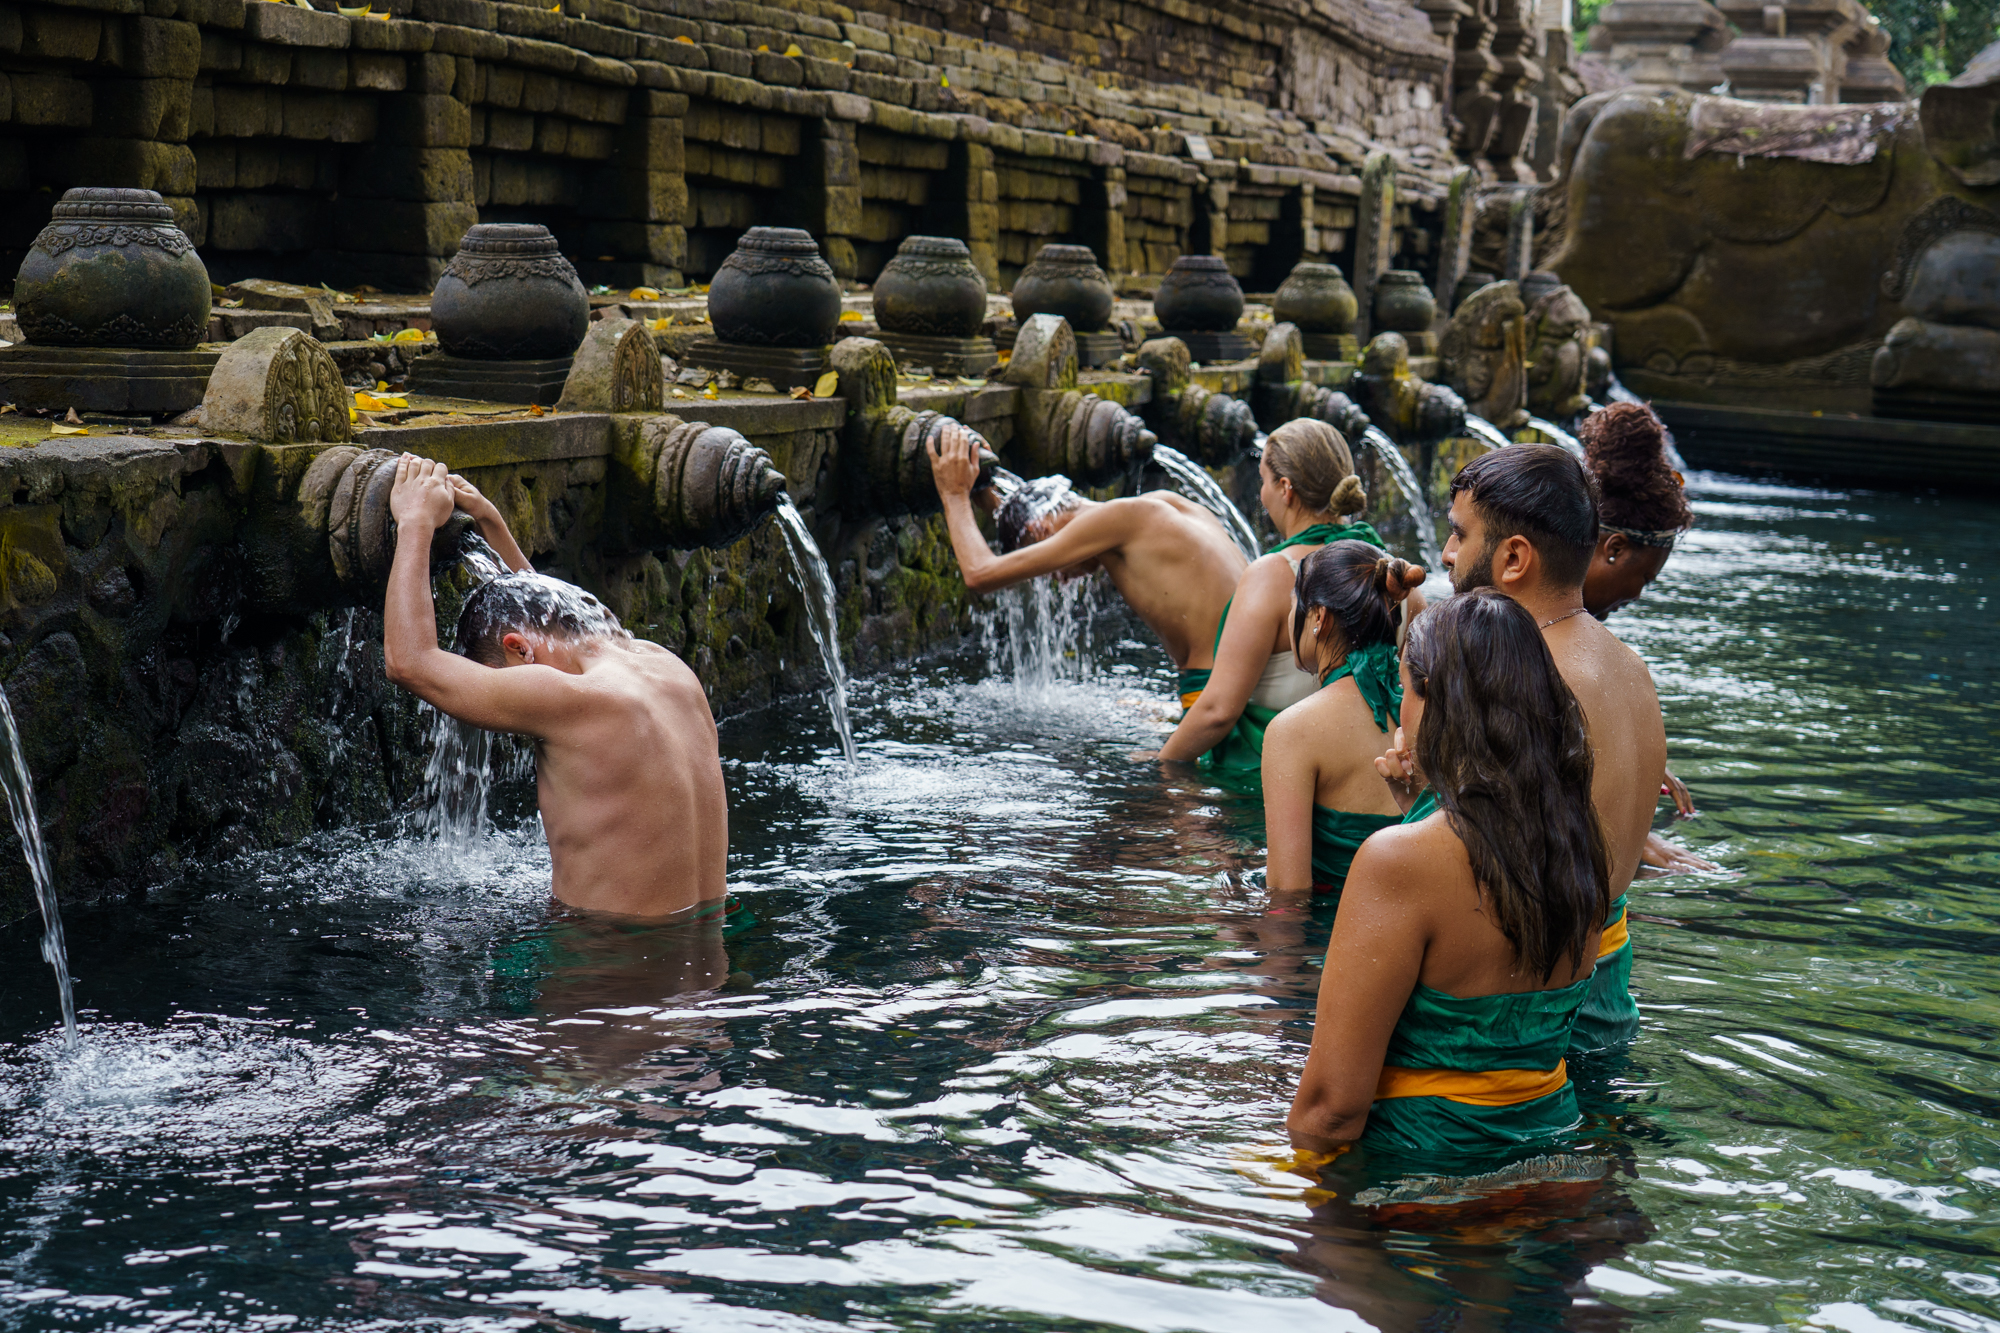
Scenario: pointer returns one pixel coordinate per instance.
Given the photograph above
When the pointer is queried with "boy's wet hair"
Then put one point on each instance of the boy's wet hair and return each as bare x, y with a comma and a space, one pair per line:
1028, 505
525, 601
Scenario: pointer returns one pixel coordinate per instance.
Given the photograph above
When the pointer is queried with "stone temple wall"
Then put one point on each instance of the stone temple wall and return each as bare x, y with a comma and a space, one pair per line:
304, 145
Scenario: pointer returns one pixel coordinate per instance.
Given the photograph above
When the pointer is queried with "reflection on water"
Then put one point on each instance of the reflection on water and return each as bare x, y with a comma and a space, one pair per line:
1001, 1035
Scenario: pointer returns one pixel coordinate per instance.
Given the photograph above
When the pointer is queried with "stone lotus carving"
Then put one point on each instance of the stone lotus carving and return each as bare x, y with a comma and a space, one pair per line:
1283, 393
1064, 280
509, 295
617, 369
931, 289
112, 270
1484, 351
1199, 295
774, 290
1212, 428
277, 385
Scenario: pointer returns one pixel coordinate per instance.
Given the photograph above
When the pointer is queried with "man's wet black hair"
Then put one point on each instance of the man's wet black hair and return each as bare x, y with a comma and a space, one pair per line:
1539, 492
1028, 505
526, 601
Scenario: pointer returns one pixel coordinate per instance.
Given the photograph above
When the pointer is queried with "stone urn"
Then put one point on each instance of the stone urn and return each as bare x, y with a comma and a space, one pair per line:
931, 289
1064, 280
112, 270
1402, 303
1536, 285
775, 291
509, 295
1316, 297
1198, 295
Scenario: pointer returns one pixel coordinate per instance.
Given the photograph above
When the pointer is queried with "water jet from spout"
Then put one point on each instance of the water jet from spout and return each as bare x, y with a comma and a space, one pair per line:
1195, 483
1562, 437
815, 584
1414, 507
1487, 431
20, 791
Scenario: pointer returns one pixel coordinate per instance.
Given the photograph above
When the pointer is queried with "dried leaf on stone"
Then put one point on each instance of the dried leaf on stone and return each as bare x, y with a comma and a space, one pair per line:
793, 50
685, 38
5, 408
756, 385
60, 429
72, 418
410, 335
802, 394
644, 293
850, 316
826, 385
680, 393
537, 410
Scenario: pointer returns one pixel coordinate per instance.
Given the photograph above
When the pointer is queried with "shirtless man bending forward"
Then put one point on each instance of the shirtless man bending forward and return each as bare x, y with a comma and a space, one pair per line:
627, 770
1170, 558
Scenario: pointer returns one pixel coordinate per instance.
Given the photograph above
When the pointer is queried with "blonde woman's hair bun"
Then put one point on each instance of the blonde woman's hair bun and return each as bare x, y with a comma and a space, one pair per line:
1348, 497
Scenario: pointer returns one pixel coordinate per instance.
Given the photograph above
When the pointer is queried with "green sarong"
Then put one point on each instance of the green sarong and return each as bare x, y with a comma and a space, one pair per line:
1426, 806
1378, 676
1609, 1015
1337, 836
1319, 534
1468, 1076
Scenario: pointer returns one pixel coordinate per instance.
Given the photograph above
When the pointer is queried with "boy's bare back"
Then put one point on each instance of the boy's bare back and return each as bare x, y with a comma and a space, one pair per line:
630, 785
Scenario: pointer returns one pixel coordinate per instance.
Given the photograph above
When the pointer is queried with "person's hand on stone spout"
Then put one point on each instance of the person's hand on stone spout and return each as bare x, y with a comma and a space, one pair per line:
954, 461
422, 497
486, 517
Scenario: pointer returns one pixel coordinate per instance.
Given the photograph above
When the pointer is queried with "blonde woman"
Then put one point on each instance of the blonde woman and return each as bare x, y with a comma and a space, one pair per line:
1309, 488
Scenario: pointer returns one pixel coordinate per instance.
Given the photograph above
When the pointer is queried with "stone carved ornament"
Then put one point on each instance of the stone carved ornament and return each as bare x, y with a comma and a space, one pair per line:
617, 369
475, 269
1483, 353
277, 385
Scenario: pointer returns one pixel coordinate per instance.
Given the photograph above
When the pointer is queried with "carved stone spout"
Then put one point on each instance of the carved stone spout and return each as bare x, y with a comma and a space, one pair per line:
1211, 428
1284, 394
1408, 410
345, 493
1483, 353
1062, 429
885, 454
1558, 349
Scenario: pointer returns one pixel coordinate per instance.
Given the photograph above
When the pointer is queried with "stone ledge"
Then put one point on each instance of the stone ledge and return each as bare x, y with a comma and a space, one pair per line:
514, 439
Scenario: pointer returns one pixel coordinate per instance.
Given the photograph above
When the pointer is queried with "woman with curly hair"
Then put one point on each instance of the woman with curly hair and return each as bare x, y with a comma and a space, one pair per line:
1641, 508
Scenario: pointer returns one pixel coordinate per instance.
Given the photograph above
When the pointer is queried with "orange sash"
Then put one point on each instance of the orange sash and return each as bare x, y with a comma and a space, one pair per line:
1187, 700
1616, 935
1481, 1087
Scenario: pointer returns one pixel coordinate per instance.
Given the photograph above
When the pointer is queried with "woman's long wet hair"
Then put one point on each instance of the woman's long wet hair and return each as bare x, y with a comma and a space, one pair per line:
1503, 743
1350, 580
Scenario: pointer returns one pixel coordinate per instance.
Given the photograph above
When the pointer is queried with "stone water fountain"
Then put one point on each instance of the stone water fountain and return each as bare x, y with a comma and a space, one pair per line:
1214, 429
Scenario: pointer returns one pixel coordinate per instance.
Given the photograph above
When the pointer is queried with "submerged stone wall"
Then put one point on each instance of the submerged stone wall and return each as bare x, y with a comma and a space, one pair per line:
181, 694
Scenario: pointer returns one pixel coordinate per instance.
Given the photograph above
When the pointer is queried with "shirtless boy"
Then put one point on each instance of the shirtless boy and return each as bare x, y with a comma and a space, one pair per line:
627, 770
1168, 557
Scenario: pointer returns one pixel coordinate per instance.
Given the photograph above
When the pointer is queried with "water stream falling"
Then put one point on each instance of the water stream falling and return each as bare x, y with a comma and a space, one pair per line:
1558, 434
815, 584
1487, 431
1414, 506
1039, 633
1194, 482
20, 791
457, 778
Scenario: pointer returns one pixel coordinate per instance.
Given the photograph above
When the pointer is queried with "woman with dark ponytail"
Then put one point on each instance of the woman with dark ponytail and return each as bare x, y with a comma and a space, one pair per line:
1322, 794
1465, 942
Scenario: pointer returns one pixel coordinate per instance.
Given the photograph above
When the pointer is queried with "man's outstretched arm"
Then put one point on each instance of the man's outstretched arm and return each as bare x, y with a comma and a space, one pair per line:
486, 515
955, 468
526, 699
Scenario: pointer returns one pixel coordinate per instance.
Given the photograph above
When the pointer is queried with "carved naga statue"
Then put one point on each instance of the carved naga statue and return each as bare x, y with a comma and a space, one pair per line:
1212, 428
1061, 428
1284, 394
1483, 354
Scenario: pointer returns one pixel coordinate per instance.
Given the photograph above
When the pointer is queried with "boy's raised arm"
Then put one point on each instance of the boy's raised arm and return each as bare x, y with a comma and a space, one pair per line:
486, 515
526, 699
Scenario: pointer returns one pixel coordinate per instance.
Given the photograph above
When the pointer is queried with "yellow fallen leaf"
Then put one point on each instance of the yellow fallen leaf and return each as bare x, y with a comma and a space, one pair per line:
685, 38
802, 394
353, 415
660, 325
359, 11
537, 410
850, 316
407, 336
763, 48
381, 386
395, 402
645, 293
367, 402
710, 392
5, 408
383, 15
793, 50
69, 430
826, 385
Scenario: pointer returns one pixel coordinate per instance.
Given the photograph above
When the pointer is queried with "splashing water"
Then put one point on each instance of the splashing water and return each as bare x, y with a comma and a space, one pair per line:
815, 584
1195, 483
20, 790
1039, 633
1487, 431
457, 778
1558, 434
1414, 507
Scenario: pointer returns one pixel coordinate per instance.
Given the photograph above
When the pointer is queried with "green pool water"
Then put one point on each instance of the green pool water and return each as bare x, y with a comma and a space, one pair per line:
999, 1036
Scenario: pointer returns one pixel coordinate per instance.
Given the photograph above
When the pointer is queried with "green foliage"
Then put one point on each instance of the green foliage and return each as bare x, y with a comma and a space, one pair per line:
1584, 13
1931, 40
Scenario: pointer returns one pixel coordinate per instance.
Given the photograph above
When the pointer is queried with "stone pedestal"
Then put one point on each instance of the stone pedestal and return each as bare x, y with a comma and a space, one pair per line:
105, 379
946, 356
538, 382
785, 367
1098, 349
1331, 346
1209, 348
